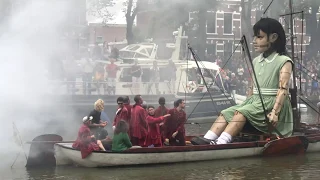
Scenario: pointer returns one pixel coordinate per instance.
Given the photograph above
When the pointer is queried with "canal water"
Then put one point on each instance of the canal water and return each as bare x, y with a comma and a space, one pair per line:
287, 167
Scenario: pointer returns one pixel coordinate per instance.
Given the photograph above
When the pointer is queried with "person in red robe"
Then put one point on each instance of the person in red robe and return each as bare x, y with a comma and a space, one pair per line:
121, 114
126, 102
86, 142
174, 125
154, 135
138, 125
161, 111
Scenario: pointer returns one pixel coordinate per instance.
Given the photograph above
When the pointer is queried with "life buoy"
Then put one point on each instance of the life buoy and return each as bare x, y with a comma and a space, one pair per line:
192, 86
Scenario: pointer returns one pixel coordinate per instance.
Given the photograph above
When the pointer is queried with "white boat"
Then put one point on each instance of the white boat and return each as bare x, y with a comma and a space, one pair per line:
66, 155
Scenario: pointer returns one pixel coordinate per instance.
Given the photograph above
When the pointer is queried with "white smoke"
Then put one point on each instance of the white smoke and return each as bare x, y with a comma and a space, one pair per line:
29, 39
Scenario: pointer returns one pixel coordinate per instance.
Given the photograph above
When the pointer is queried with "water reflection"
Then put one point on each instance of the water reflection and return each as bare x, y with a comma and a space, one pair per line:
289, 167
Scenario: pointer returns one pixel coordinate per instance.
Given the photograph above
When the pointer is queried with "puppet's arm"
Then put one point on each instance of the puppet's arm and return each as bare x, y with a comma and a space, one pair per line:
285, 74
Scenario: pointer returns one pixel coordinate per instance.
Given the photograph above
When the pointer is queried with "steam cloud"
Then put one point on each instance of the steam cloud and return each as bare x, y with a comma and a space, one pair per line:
30, 39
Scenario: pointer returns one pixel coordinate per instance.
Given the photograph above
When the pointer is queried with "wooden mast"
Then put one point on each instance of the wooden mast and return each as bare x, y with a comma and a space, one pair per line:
294, 102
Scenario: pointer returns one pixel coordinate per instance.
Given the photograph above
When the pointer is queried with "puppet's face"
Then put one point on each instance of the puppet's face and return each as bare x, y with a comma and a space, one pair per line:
261, 42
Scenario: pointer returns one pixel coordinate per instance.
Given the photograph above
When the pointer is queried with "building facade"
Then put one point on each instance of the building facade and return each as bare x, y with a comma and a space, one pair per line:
100, 33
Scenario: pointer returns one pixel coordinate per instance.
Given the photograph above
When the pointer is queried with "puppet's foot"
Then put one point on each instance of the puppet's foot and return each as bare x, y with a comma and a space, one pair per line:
200, 141
213, 142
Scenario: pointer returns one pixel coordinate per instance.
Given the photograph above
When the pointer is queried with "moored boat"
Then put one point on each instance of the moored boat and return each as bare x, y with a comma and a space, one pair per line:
66, 155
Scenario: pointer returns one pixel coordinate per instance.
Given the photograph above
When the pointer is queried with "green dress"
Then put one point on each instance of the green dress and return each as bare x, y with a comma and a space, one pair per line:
121, 142
267, 71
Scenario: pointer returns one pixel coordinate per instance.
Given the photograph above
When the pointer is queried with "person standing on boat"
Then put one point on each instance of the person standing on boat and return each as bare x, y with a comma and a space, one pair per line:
111, 70
154, 135
174, 125
274, 70
97, 125
86, 142
161, 111
138, 125
126, 102
136, 77
155, 77
121, 114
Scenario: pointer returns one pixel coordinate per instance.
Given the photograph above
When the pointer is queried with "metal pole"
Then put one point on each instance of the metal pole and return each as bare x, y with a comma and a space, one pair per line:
296, 115
300, 73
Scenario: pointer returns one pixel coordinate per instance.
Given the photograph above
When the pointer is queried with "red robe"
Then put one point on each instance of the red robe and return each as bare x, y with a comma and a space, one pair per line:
138, 125
161, 111
154, 134
128, 106
84, 142
121, 114
176, 123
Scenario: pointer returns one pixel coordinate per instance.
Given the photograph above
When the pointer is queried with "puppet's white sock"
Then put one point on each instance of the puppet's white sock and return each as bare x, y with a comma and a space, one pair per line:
211, 135
224, 138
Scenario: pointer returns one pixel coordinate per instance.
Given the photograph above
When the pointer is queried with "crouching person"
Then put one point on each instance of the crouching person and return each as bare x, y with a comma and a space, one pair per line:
86, 142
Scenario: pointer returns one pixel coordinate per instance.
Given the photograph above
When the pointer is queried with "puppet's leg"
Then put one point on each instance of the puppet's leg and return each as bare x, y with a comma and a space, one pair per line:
217, 128
232, 129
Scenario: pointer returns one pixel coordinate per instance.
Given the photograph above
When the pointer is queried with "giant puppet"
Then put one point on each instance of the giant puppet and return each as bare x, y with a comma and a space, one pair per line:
273, 71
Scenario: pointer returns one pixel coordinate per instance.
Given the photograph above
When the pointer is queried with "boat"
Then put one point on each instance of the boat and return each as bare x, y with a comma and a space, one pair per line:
64, 154
186, 86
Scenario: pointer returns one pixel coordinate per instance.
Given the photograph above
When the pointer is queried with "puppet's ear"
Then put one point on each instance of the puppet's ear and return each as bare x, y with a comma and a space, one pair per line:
273, 37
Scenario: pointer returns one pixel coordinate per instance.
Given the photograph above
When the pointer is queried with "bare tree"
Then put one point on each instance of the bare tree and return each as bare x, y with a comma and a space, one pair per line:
99, 9
131, 13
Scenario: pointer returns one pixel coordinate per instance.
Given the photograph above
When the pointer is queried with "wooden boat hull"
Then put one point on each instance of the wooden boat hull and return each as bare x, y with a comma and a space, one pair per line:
67, 156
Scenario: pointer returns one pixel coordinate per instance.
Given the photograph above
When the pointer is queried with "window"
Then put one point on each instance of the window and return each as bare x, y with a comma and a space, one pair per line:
211, 22
211, 49
193, 16
228, 46
227, 23
99, 39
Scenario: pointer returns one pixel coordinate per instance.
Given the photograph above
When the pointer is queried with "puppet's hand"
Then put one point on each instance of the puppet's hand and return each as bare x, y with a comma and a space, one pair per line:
273, 118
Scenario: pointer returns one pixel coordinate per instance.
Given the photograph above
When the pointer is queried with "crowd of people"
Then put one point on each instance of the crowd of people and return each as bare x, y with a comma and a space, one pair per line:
134, 126
236, 75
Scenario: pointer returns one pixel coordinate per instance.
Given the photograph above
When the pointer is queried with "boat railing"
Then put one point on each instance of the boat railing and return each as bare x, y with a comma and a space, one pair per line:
111, 88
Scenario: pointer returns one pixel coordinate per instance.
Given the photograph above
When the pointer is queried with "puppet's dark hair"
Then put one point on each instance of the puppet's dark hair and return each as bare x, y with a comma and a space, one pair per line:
270, 26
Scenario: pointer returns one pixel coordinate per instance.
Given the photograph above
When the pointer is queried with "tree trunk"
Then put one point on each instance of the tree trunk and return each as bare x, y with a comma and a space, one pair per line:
130, 35
130, 16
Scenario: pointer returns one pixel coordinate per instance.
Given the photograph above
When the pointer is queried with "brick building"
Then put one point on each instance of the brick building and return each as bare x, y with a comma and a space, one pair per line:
223, 28
99, 33
224, 31
301, 35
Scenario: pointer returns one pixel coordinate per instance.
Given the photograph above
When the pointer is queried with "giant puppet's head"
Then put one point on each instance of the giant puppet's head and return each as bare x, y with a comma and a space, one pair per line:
269, 36
99, 105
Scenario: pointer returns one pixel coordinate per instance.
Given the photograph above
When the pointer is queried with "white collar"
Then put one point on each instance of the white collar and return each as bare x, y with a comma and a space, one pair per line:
268, 59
